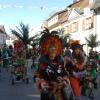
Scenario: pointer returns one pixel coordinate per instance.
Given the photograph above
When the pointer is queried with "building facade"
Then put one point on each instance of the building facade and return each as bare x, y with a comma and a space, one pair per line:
95, 6
82, 18
53, 23
3, 35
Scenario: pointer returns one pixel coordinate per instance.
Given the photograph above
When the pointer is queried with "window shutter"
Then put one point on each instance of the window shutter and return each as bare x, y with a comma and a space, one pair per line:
77, 26
83, 24
92, 22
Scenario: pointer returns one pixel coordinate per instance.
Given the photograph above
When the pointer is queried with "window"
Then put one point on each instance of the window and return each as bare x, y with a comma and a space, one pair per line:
74, 27
88, 23
52, 21
67, 29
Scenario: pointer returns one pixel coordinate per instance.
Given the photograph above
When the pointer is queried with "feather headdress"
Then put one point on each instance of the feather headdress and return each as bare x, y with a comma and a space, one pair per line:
75, 44
18, 44
49, 39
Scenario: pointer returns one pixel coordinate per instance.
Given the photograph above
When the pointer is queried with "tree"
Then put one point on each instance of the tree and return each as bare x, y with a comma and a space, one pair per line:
22, 33
64, 39
92, 41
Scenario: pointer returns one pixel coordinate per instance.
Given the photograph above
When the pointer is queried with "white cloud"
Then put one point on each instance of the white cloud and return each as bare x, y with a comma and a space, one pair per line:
42, 7
11, 6
33, 7
18, 6
7, 6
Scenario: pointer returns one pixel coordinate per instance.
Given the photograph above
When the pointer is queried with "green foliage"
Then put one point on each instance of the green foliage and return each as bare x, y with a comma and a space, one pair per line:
20, 61
92, 41
64, 40
22, 33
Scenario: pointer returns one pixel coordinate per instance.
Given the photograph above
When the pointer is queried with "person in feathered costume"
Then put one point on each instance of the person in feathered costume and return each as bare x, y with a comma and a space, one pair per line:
76, 69
19, 48
51, 73
19, 53
5, 54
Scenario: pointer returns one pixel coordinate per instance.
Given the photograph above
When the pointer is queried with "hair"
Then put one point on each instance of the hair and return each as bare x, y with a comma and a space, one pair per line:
76, 44
50, 40
18, 44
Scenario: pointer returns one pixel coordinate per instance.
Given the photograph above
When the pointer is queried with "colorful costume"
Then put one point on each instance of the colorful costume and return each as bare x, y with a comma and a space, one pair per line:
75, 68
51, 73
5, 54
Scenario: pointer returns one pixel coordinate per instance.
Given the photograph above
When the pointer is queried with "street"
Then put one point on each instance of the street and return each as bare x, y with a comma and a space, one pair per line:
22, 91
58, 38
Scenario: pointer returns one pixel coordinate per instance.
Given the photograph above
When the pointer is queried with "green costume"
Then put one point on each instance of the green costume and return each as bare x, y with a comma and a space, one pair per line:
93, 73
5, 54
98, 57
20, 61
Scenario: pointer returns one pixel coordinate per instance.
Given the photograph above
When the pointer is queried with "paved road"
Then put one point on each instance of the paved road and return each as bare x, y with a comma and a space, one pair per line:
22, 91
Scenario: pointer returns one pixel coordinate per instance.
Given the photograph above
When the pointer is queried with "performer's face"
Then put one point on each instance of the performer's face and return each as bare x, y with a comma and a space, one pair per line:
77, 50
52, 52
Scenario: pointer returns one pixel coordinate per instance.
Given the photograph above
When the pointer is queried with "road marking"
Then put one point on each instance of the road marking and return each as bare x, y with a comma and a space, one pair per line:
34, 95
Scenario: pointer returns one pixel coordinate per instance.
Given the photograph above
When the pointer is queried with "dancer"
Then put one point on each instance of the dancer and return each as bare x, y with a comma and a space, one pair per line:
51, 74
75, 66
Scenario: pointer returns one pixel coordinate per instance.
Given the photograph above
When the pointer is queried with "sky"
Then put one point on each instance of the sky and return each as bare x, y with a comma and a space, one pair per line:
32, 12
